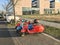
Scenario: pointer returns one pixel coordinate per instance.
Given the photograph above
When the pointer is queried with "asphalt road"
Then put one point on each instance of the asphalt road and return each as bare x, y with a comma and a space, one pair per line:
5, 38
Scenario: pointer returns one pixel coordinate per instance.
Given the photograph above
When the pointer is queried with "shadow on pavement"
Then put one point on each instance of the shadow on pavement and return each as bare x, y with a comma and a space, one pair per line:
8, 32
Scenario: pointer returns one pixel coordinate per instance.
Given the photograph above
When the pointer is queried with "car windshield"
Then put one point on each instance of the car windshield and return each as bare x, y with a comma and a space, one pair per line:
9, 15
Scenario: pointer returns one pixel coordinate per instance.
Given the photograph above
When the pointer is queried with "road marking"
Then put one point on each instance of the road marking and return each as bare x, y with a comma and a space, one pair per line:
51, 37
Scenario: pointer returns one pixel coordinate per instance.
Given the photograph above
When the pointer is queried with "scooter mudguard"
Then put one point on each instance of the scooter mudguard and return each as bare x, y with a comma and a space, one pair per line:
41, 28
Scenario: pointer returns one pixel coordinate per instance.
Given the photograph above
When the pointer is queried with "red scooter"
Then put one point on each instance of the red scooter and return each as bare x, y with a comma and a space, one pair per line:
30, 28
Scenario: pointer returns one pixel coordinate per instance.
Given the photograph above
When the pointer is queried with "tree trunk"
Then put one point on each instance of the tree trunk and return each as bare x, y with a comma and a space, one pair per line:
14, 11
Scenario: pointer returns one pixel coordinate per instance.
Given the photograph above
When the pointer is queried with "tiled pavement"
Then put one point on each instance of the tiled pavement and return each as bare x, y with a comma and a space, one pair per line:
37, 39
52, 24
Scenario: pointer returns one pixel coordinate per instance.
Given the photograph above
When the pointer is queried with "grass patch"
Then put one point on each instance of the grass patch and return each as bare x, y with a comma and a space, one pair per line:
55, 32
55, 21
11, 25
52, 18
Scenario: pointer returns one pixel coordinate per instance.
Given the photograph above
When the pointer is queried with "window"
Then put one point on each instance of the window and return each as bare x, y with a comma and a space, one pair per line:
26, 11
52, 4
58, 11
49, 11
29, 11
35, 3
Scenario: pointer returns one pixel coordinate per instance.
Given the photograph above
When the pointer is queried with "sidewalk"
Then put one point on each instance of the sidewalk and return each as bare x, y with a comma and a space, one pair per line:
52, 24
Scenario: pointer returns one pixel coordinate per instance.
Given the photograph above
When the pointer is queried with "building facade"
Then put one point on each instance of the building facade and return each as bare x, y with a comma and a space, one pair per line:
27, 7
57, 6
20, 4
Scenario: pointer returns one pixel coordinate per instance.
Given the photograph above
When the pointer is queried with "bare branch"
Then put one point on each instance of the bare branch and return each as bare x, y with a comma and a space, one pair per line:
3, 7
16, 2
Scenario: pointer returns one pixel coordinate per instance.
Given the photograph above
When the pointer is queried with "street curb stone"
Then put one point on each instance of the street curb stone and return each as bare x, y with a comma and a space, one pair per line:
51, 37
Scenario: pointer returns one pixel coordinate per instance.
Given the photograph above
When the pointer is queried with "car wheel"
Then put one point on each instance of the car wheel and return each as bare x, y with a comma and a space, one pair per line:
12, 21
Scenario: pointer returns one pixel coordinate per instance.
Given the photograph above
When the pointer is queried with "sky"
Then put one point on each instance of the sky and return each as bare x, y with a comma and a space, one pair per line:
2, 2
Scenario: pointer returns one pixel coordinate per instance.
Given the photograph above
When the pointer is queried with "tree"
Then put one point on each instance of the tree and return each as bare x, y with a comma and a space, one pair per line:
5, 6
14, 2
10, 6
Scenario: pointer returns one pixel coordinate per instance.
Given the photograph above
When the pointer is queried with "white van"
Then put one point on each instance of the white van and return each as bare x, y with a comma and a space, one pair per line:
10, 18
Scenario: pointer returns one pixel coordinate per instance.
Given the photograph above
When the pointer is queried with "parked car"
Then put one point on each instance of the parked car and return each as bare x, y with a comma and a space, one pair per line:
1, 16
10, 18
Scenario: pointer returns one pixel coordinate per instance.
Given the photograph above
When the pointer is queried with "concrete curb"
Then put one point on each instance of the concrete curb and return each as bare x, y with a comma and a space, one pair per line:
51, 37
